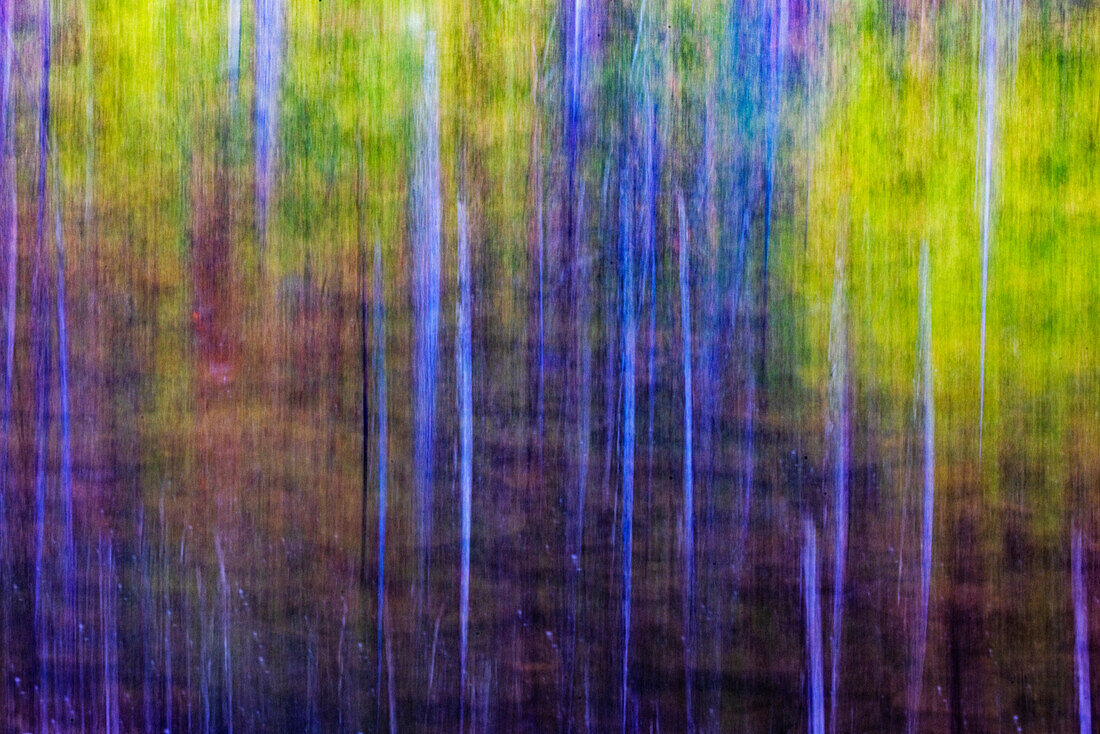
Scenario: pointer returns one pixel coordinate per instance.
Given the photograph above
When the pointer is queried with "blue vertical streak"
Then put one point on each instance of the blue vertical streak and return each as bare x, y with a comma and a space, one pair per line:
68, 546
584, 313
709, 322
575, 61
167, 629
383, 448
227, 658
1081, 637
466, 429
989, 87
630, 327
573, 79
269, 44
234, 50
929, 471
575, 528
541, 396
650, 232
741, 309
839, 437
42, 391
689, 461
609, 323
204, 656
63, 363
427, 238
777, 40
41, 436
813, 627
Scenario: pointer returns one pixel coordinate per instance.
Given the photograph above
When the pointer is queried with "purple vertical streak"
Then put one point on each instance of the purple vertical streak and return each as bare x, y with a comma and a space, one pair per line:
9, 231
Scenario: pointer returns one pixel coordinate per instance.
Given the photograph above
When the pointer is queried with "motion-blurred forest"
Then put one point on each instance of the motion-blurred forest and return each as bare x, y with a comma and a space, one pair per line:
495, 366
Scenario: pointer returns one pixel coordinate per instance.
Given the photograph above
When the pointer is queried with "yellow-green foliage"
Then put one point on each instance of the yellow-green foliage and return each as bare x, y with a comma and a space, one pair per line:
894, 164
